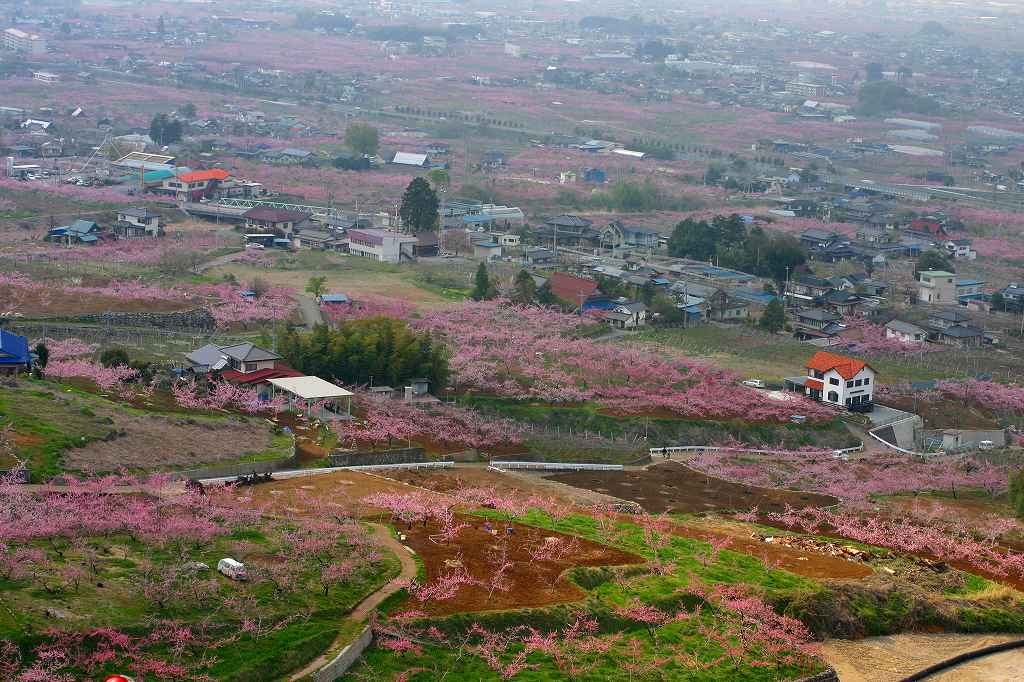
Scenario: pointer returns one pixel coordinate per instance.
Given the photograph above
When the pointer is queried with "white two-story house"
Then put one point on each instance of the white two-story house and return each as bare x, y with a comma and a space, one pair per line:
837, 380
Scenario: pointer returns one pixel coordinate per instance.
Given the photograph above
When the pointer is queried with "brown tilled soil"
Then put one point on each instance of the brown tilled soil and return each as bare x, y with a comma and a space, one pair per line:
671, 486
530, 583
48, 302
513, 483
153, 441
945, 414
301, 495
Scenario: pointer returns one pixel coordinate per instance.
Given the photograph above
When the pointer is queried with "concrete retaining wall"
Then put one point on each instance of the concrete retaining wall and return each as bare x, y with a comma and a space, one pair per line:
345, 658
962, 439
234, 470
370, 457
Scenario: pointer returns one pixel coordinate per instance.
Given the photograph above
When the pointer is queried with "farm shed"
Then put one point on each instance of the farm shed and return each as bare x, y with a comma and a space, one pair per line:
317, 398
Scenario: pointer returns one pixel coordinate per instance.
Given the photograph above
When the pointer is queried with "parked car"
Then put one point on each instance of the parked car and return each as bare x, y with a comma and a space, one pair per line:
986, 445
232, 569
754, 383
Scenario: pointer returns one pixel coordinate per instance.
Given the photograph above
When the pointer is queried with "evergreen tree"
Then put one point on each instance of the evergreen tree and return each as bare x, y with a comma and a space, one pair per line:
42, 355
774, 318
483, 288
362, 138
419, 206
525, 289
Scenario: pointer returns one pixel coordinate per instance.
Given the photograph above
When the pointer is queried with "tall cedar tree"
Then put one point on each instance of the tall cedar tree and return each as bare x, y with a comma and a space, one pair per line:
483, 288
419, 206
381, 348
774, 318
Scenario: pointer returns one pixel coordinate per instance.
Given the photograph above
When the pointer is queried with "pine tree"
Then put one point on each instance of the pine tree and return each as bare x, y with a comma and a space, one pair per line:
774, 318
525, 290
483, 288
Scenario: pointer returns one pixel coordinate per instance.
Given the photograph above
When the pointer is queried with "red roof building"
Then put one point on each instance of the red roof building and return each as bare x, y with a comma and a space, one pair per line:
195, 185
574, 290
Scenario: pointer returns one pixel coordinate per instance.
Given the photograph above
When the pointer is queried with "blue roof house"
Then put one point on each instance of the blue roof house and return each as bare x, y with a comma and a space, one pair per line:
14, 354
80, 231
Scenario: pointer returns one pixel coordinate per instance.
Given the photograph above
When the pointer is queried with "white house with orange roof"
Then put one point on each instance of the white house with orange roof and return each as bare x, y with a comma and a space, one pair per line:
837, 380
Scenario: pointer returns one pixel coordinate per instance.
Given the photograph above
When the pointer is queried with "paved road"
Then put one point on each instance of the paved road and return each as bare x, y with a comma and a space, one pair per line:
310, 311
362, 610
219, 260
891, 658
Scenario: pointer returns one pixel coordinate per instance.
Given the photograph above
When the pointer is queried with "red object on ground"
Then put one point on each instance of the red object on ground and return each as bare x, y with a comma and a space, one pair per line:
119, 678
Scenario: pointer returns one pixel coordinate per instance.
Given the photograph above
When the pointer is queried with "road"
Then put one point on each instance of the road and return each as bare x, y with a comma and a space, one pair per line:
310, 312
363, 610
892, 658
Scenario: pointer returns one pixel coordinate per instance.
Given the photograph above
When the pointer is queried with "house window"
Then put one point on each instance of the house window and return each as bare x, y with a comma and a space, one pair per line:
857, 382
849, 384
867, 381
833, 397
834, 381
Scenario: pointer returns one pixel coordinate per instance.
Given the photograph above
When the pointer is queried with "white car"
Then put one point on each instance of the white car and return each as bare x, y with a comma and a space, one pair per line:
754, 383
254, 245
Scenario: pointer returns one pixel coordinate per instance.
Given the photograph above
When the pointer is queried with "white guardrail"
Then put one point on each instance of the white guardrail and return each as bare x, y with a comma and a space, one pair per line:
705, 448
554, 466
408, 465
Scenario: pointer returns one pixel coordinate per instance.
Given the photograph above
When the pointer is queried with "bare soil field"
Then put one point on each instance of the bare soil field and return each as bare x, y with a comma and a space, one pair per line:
670, 486
891, 658
803, 562
48, 302
159, 441
530, 583
947, 414
449, 480
302, 495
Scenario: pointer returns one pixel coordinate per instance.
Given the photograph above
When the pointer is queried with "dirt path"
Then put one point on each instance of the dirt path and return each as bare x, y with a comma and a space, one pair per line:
892, 658
365, 607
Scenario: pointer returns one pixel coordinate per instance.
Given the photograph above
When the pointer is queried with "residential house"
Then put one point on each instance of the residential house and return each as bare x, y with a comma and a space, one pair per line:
323, 240
538, 255
817, 324
962, 336
721, 307
815, 239
808, 288
837, 380
616, 235
487, 250
1013, 295
627, 315
905, 332
194, 185
954, 328
14, 353
928, 227
287, 157
243, 364
78, 232
134, 223
507, 239
384, 246
267, 219
936, 287
969, 288
569, 230
960, 249
843, 303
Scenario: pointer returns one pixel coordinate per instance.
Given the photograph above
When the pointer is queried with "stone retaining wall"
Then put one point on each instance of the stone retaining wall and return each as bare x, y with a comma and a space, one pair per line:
370, 457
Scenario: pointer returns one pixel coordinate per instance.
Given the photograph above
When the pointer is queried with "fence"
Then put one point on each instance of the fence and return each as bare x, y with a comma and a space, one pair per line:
407, 465
554, 466
340, 664
712, 448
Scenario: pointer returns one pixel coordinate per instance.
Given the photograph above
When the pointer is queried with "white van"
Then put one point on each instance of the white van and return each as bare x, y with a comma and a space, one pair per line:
986, 445
232, 569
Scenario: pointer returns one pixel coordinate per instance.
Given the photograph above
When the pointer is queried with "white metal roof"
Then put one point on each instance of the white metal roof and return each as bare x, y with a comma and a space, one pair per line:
407, 159
310, 388
629, 152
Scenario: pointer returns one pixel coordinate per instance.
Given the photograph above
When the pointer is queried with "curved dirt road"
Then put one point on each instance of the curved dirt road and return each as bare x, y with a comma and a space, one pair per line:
365, 607
892, 658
